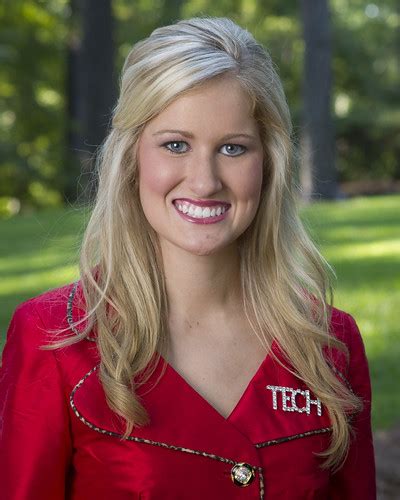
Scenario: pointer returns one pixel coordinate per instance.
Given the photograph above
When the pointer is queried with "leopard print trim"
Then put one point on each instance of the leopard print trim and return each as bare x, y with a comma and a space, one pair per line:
351, 416
70, 318
261, 480
340, 374
293, 437
155, 443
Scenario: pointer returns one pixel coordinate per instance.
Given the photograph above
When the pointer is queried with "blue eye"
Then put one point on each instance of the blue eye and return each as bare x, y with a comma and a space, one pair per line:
176, 147
233, 149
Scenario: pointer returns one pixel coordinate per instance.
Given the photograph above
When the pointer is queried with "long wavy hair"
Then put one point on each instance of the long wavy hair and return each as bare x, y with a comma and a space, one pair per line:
286, 283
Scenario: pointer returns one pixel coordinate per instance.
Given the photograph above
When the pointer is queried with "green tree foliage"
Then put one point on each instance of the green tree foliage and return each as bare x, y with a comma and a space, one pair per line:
33, 41
367, 83
32, 99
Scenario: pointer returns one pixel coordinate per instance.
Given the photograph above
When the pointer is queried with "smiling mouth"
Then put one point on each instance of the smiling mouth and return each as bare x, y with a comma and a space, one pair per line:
208, 210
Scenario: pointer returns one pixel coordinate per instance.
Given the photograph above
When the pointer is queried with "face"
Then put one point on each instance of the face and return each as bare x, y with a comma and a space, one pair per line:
200, 169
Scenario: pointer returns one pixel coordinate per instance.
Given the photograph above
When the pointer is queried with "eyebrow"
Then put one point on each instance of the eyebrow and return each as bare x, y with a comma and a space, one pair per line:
190, 135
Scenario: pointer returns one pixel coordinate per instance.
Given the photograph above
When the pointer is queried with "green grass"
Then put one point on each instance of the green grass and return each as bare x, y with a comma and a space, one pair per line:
361, 240
359, 237
37, 252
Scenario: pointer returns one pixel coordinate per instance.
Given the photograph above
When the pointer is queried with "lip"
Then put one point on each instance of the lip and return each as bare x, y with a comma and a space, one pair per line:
204, 203
207, 220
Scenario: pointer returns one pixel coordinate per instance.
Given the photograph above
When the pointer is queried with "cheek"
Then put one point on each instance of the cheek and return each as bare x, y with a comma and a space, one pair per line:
156, 177
250, 182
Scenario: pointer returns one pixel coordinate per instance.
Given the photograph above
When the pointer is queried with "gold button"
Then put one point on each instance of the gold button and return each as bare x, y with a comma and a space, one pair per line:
242, 474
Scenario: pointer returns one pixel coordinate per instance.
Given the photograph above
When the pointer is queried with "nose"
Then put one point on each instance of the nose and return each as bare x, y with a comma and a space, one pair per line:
204, 176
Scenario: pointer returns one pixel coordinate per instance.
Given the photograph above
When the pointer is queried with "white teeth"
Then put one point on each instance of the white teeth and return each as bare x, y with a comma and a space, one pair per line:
199, 212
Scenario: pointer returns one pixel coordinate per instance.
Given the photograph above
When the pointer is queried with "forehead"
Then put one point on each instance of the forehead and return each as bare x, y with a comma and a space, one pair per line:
218, 105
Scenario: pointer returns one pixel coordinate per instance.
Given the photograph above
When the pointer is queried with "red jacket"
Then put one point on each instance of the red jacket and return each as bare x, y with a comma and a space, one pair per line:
59, 439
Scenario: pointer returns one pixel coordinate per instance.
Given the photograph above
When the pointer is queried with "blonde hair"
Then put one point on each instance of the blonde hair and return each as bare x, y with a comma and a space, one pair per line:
285, 280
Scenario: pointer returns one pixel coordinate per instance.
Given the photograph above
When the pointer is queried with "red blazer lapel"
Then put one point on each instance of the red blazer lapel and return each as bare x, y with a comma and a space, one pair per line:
180, 418
278, 407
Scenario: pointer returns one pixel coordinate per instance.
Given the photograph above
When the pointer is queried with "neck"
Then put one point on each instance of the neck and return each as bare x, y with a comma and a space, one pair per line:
201, 286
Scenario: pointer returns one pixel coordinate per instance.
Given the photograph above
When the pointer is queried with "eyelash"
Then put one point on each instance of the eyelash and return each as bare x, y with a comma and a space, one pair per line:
166, 144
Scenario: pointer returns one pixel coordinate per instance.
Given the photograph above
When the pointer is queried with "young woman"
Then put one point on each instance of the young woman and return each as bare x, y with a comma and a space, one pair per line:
197, 356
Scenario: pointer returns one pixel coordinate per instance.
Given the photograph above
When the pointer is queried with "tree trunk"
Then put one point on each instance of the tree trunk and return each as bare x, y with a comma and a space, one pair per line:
317, 173
91, 87
74, 105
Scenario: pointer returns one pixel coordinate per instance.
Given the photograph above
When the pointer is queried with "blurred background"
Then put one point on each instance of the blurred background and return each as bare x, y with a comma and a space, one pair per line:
339, 61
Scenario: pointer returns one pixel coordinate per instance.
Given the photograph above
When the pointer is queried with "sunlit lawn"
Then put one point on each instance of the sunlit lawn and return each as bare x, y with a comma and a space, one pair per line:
359, 237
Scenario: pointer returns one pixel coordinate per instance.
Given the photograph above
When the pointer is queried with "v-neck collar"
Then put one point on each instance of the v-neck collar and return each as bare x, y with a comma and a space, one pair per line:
181, 418
181, 380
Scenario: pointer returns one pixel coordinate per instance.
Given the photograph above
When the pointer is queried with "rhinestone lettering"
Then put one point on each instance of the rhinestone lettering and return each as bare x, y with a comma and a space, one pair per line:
290, 401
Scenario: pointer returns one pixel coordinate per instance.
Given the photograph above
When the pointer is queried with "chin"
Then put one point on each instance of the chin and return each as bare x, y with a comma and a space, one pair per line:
204, 252
206, 249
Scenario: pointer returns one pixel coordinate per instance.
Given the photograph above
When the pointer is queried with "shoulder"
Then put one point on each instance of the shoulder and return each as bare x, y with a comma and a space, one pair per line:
344, 328
56, 309
39, 320
23, 356
50, 304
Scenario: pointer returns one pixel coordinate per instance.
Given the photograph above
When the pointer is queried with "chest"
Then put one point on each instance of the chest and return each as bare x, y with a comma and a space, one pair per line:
219, 371
109, 468
189, 449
